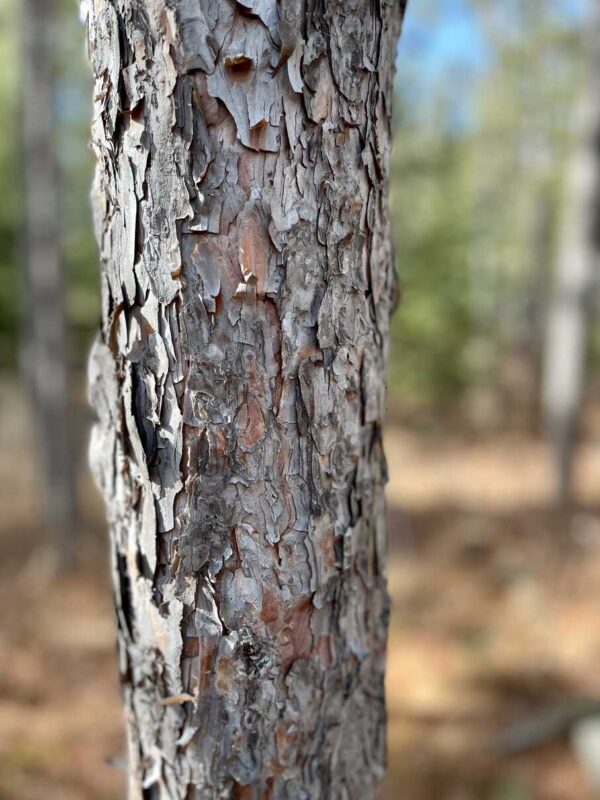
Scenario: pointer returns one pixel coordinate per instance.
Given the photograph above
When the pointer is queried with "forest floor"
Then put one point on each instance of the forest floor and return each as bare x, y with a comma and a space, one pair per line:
495, 599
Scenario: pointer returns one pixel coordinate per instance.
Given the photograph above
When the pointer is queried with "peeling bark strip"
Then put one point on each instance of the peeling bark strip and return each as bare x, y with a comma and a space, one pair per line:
240, 203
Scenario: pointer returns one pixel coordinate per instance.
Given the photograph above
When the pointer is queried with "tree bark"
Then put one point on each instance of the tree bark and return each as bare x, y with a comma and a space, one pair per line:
45, 357
241, 212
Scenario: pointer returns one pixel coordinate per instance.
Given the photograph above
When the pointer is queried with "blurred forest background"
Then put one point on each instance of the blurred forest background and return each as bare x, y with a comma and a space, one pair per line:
494, 528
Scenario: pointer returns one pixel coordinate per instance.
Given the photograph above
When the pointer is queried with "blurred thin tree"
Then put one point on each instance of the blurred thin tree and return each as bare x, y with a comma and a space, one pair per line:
10, 201
576, 269
45, 353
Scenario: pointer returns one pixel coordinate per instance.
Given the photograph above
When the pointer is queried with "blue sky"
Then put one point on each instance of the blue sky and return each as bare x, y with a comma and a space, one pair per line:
444, 46
442, 34
441, 41
439, 34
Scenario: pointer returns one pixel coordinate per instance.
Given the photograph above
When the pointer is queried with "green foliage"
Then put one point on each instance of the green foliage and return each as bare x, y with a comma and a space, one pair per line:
476, 203
433, 327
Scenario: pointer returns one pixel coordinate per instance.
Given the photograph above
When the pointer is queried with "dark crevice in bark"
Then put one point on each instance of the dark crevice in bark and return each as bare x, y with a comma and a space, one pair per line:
124, 598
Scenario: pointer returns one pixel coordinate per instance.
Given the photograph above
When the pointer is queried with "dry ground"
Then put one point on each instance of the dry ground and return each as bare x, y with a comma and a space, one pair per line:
495, 616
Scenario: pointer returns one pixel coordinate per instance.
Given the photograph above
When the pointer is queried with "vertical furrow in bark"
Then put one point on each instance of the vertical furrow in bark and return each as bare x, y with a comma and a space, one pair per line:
241, 214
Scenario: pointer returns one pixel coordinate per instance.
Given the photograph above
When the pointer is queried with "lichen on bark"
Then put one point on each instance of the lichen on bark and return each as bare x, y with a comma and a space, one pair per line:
241, 213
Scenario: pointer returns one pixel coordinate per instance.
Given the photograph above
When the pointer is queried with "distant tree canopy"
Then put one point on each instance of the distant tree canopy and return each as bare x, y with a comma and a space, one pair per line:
477, 188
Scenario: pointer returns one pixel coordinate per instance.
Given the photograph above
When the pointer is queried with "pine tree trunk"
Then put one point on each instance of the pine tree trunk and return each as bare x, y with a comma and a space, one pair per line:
45, 357
241, 213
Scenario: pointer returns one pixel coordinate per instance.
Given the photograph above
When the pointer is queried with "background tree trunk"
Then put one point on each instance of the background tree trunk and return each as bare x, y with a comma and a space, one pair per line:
564, 363
241, 213
44, 358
